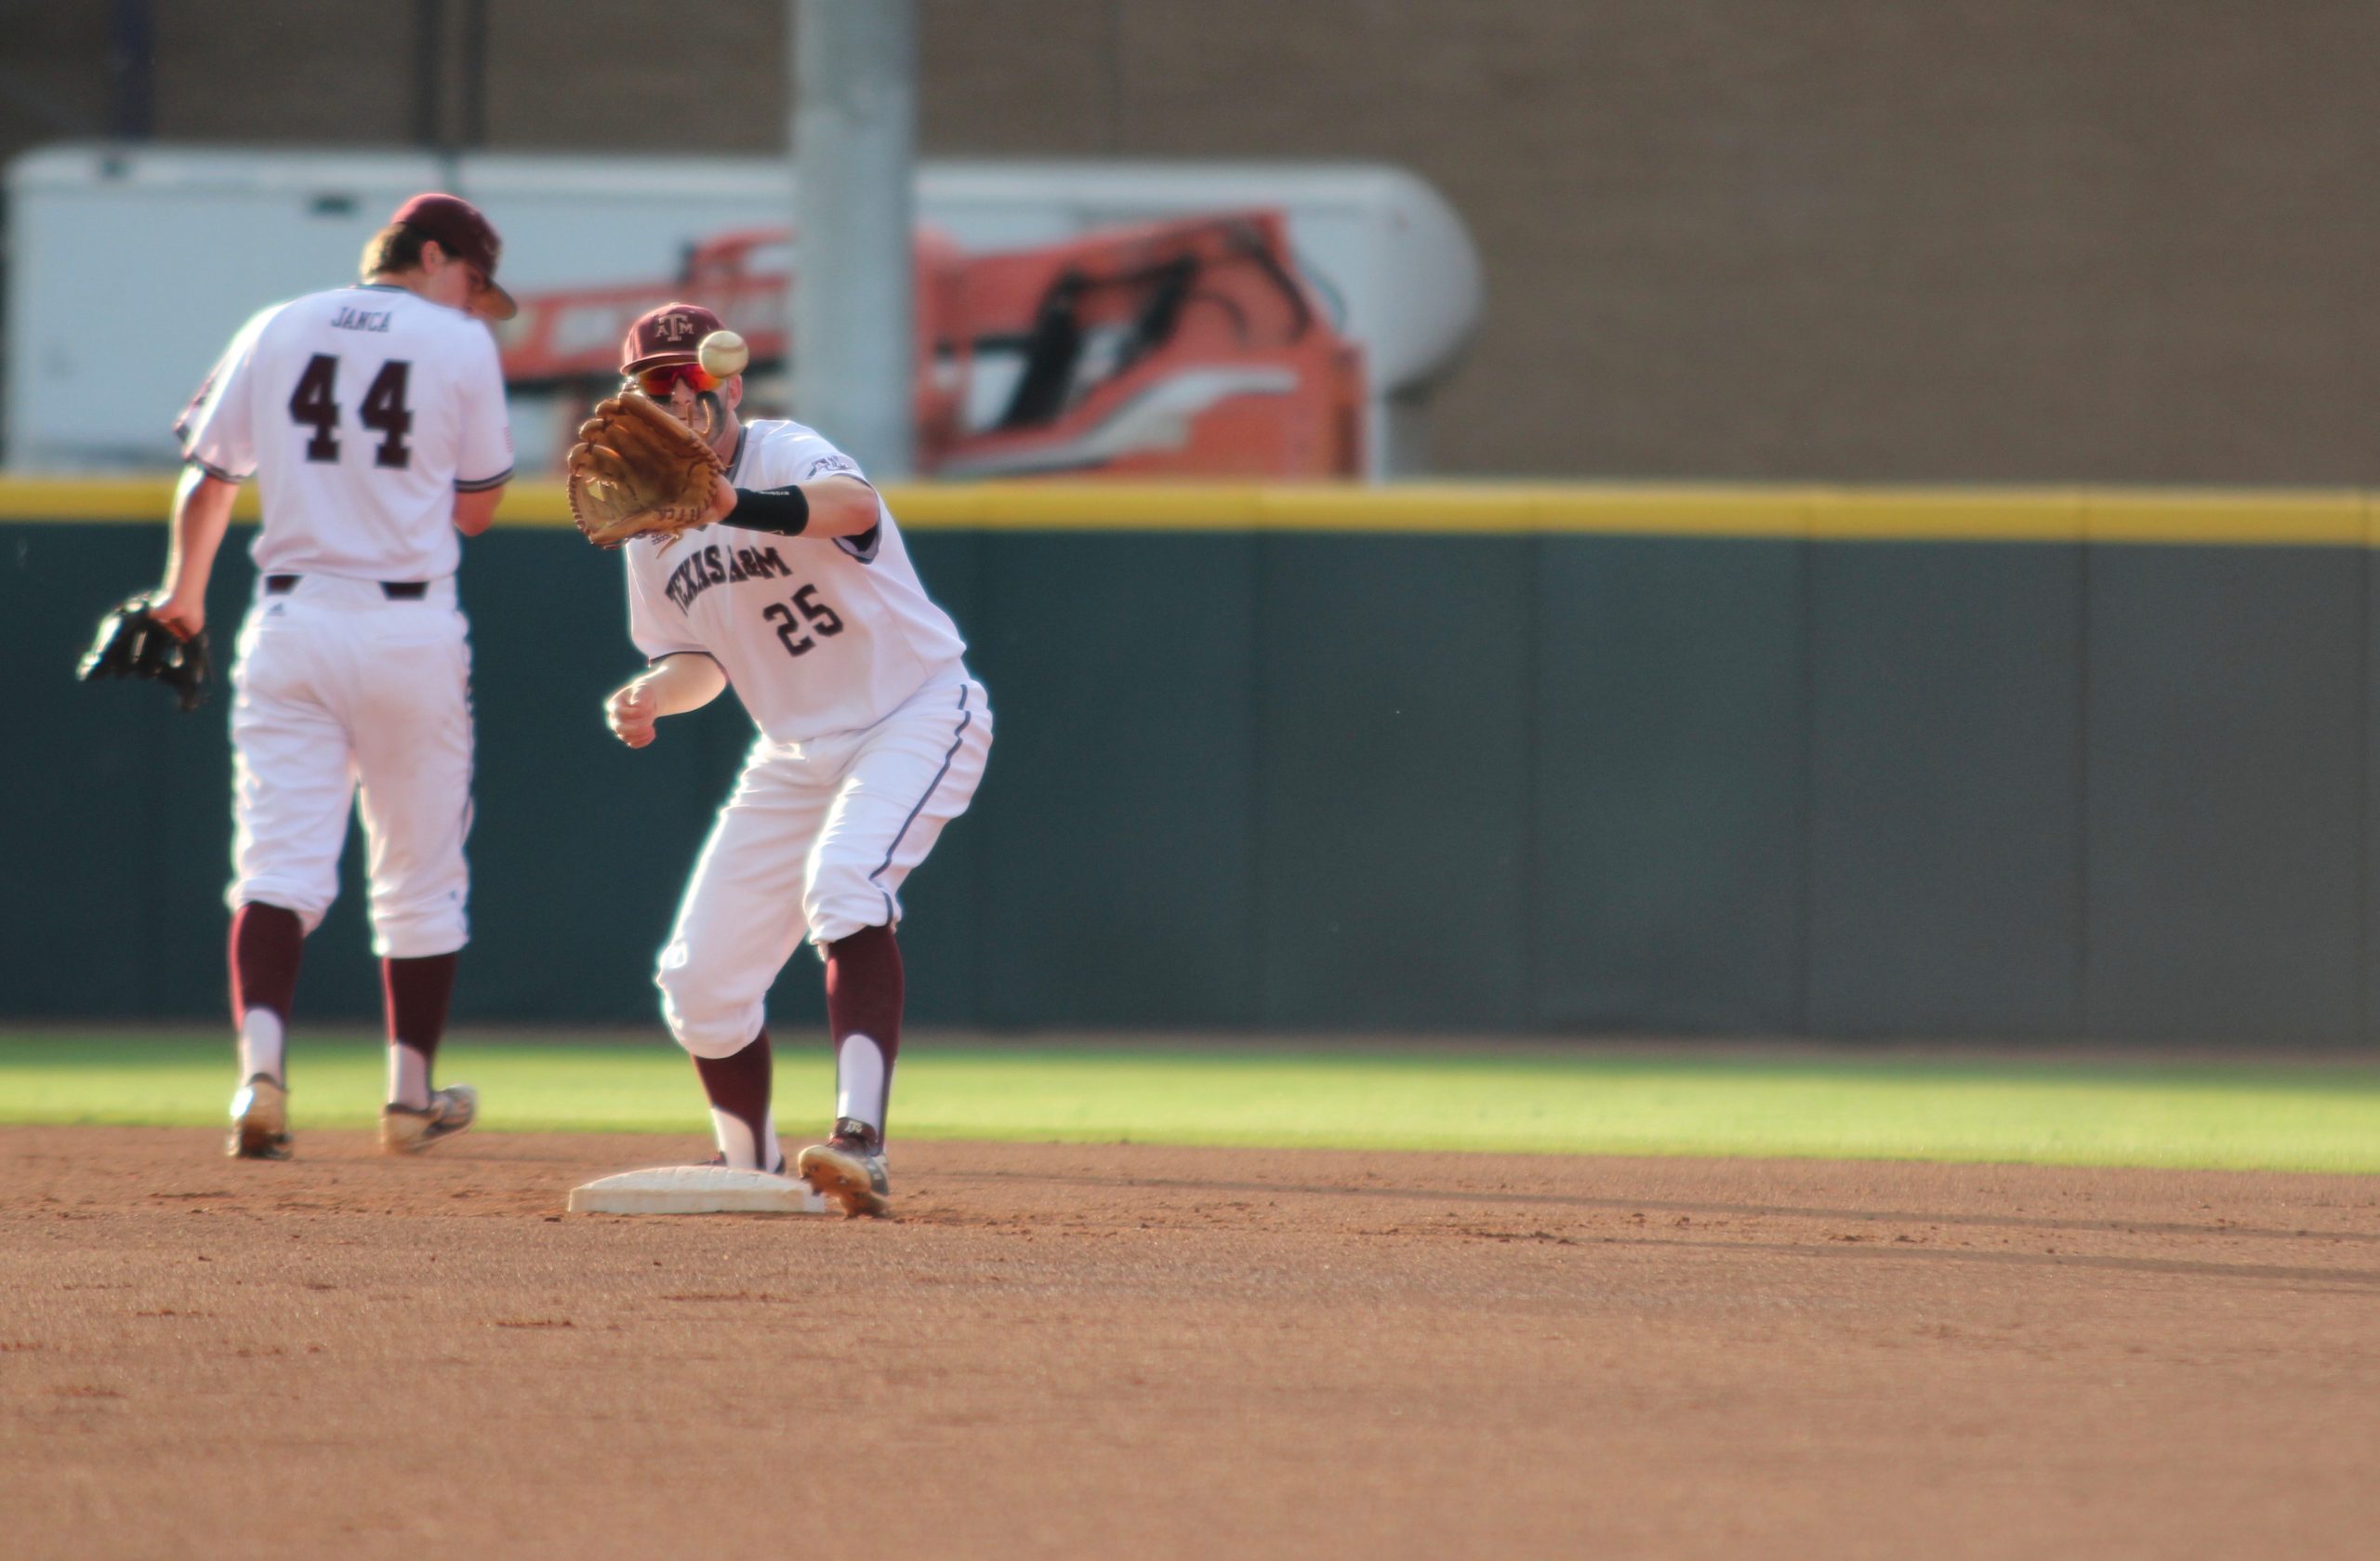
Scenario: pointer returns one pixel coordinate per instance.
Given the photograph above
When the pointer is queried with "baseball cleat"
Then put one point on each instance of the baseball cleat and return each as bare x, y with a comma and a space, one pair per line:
259, 1121
848, 1170
404, 1131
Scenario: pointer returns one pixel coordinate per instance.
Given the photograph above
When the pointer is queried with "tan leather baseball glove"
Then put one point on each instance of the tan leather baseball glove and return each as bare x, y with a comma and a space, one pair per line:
636, 468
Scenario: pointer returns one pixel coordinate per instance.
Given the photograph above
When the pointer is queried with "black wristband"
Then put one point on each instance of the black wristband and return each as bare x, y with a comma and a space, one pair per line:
784, 512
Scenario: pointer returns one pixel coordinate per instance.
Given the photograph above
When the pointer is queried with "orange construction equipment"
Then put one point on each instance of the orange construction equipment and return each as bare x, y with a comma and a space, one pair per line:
1185, 348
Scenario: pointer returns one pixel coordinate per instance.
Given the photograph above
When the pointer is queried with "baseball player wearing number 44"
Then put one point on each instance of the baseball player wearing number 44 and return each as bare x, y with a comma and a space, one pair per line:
373, 417
794, 587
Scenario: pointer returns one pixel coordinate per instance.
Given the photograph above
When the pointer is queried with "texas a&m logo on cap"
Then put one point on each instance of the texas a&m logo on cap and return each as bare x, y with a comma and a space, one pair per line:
666, 336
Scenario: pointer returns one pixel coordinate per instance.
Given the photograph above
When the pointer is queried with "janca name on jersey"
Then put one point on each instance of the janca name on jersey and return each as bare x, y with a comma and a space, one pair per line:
716, 565
348, 319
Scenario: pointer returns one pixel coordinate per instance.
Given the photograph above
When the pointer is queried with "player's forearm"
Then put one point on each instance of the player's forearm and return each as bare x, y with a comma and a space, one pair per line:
673, 684
202, 514
827, 507
474, 513
683, 682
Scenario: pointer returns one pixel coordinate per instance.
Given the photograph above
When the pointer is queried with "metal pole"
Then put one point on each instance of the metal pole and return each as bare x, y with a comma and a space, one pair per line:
854, 137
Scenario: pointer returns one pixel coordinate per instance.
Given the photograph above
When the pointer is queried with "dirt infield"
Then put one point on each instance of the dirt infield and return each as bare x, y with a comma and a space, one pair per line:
1128, 1351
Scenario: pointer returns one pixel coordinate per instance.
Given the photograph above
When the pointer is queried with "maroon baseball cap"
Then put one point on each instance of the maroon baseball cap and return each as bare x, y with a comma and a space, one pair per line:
465, 233
666, 336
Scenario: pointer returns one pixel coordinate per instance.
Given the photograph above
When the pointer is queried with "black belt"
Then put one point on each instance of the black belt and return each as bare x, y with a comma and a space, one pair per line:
395, 590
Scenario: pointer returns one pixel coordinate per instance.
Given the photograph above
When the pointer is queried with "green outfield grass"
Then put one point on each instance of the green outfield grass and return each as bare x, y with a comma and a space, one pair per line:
1535, 1099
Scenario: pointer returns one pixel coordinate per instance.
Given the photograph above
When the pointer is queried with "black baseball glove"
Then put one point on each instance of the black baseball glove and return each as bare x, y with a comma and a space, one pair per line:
132, 644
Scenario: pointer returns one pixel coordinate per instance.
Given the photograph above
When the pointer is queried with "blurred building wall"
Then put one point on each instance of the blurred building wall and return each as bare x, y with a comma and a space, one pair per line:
1973, 240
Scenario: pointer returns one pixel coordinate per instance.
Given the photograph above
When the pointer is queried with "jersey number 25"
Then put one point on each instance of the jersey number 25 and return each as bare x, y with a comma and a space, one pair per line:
315, 404
789, 628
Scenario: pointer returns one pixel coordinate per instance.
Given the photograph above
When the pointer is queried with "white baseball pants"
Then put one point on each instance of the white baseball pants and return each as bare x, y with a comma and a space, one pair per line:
816, 840
338, 690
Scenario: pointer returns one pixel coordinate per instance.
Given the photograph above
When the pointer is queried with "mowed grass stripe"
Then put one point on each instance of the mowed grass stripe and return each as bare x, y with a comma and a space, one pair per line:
1543, 1099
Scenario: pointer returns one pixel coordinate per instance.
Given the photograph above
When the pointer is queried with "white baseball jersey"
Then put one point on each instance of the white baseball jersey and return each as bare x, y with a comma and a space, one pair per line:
361, 411
817, 635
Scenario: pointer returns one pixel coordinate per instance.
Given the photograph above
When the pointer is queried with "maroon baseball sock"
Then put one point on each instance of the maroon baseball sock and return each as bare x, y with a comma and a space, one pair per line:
864, 1014
266, 943
738, 1087
415, 994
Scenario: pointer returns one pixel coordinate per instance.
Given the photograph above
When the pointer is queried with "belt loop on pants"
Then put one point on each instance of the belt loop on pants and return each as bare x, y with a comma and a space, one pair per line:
395, 590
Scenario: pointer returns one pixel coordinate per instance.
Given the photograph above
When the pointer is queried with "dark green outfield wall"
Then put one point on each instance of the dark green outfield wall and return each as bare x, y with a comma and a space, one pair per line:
1365, 781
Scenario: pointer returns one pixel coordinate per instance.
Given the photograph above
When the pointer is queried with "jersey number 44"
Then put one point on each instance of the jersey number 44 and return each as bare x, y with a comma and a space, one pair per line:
315, 404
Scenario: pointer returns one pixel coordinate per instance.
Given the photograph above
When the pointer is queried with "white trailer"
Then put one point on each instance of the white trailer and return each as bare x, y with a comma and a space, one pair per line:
130, 268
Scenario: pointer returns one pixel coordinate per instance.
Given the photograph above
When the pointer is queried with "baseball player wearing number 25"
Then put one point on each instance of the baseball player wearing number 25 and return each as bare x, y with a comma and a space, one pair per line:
795, 589
373, 417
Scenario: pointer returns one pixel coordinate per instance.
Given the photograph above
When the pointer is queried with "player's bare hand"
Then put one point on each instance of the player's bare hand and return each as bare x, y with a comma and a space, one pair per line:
630, 713
182, 613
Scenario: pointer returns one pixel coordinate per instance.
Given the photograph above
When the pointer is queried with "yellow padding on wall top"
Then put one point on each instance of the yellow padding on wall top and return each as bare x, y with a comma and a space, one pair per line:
2186, 517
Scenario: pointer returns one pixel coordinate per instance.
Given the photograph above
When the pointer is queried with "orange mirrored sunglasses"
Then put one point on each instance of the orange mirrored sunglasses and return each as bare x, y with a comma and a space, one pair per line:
659, 383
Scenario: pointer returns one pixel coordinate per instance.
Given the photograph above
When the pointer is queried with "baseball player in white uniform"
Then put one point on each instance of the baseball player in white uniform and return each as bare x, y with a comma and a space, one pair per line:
798, 592
373, 418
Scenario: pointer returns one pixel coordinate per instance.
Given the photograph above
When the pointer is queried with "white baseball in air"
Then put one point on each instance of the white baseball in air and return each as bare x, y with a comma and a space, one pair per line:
723, 353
